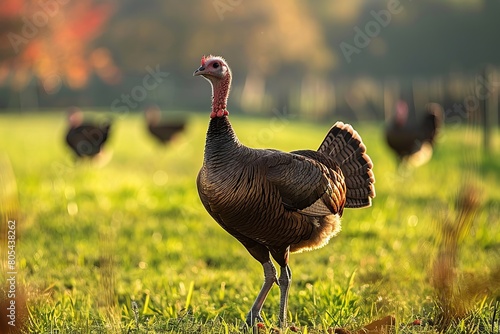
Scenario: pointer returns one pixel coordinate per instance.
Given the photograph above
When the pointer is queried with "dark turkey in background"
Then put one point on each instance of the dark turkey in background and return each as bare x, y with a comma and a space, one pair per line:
413, 142
162, 129
86, 137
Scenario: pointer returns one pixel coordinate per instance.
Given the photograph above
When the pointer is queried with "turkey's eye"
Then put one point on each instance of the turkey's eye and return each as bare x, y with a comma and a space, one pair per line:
216, 65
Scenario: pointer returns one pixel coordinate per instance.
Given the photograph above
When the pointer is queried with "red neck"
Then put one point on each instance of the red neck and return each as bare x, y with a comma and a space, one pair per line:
220, 92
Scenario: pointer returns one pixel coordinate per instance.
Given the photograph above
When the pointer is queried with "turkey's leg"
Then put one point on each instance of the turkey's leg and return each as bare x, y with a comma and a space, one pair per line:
269, 279
284, 283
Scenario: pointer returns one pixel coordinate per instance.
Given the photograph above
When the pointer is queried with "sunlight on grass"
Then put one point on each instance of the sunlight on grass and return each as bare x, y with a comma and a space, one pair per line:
128, 247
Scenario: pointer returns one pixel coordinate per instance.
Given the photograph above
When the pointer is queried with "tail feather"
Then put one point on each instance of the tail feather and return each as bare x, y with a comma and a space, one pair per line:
360, 183
344, 145
358, 167
359, 203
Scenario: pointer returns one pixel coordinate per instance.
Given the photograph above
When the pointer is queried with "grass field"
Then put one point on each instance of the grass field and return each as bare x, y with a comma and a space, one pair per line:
128, 248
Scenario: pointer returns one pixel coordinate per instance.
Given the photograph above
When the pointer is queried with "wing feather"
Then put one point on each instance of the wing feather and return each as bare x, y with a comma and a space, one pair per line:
305, 184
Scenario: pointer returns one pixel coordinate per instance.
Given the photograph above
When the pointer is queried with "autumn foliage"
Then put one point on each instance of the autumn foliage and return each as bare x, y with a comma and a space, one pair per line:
50, 40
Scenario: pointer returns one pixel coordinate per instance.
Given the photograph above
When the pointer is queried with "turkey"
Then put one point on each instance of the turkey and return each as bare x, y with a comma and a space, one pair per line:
86, 138
163, 131
276, 203
413, 143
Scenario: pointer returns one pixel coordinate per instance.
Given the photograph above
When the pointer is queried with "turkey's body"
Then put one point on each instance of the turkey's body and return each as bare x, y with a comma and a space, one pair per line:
235, 189
86, 140
165, 132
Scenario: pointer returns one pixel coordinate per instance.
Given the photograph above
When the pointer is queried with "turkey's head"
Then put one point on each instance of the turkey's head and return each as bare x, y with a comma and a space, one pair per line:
401, 113
213, 68
153, 115
217, 72
75, 117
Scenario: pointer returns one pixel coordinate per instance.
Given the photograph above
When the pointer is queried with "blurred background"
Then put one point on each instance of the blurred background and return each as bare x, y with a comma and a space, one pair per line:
348, 59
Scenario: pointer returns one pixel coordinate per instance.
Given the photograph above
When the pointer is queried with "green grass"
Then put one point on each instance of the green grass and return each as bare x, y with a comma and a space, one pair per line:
128, 248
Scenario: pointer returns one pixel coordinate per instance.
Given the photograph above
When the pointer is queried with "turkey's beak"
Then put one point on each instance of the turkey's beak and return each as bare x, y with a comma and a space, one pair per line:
199, 71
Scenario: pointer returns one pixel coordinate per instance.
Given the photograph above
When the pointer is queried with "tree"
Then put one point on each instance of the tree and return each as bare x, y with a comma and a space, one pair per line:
50, 40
